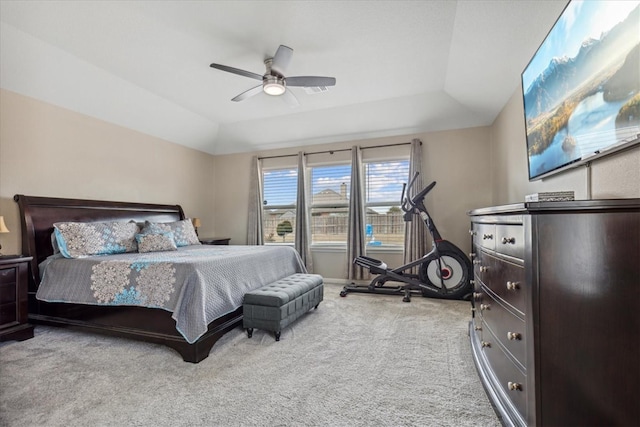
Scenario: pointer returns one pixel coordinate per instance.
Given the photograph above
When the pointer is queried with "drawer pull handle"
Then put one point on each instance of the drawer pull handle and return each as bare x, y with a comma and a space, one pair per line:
508, 240
472, 254
485, 307
514, 336
476, 261
514, 386
473, 282
512, 286
471, 232
485, 344
487, 237
477, 295
477, 328
483, 268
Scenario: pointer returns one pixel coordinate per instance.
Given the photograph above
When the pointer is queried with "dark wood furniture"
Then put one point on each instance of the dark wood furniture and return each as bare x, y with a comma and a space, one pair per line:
215, 240
14, 324
556, 319
38, 214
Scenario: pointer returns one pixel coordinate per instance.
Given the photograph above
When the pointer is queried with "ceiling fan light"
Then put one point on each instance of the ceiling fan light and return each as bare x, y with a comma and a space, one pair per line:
273, 89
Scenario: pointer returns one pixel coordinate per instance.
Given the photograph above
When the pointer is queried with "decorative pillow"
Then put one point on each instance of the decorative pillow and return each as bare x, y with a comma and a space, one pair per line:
156, 242
83, 239
54, 244
183, 231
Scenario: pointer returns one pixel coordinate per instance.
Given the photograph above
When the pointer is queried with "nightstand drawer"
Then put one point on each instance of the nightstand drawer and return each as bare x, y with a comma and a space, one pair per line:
7, 292
8, 275
14, 323
8, 314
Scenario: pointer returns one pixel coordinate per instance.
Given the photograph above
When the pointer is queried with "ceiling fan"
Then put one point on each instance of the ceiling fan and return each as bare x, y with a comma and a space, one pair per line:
274, 82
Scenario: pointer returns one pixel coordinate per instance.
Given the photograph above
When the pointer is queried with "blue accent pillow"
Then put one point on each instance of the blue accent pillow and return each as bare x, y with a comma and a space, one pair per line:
54, 243
83, 239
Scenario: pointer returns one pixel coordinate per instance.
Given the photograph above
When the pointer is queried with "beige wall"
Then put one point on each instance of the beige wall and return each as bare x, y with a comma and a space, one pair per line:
614, 176
450, 158
49, 151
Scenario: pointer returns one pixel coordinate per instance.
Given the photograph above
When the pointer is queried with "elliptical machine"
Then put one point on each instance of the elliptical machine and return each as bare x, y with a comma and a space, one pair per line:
445, 272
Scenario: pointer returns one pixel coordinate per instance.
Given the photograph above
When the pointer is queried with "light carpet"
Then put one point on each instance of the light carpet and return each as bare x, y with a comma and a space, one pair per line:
363, 360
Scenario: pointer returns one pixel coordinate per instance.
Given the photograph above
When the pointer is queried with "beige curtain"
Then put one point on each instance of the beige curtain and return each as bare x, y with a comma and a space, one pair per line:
303, 231
357, 218
415, 232
255, 236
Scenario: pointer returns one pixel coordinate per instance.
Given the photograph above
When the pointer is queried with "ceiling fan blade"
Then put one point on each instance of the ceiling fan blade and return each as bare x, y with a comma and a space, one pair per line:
281, 59
248, 93
290, 98
237, 71
310, 81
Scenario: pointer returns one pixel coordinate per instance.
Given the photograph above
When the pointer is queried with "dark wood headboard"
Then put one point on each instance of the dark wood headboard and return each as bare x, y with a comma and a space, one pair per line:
38, 214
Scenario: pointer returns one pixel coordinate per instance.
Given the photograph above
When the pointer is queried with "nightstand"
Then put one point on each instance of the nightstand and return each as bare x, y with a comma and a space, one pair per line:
215, 240
13, 298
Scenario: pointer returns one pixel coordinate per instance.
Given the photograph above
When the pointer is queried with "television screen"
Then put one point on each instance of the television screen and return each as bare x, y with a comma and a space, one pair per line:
581, 89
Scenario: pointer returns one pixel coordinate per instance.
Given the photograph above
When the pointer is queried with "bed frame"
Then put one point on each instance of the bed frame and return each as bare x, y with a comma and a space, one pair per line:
38, 214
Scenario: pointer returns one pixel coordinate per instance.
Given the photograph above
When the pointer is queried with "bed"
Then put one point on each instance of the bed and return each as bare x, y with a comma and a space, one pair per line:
243, 268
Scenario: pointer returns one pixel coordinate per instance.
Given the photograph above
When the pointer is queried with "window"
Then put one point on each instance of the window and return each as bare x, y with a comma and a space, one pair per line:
279, 199
383, 190
329, 193
330, 187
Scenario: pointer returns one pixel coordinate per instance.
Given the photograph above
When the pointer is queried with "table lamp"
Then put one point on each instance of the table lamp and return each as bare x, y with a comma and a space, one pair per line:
3, 228
196, 224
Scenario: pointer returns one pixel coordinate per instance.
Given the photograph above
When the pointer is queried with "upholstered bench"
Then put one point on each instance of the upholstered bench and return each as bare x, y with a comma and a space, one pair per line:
274, 306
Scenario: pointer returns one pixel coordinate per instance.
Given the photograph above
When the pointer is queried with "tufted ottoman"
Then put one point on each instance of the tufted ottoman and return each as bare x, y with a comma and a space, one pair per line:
274, 306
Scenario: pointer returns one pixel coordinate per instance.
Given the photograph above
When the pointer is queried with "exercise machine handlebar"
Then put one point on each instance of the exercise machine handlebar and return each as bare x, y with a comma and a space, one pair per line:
408, 204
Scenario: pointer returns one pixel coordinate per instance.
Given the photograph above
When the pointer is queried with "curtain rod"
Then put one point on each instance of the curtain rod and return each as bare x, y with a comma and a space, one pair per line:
336, 151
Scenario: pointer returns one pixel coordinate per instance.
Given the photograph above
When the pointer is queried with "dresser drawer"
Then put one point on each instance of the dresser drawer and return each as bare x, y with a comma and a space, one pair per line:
507, 328
510, 240
476, 327
478, 292
7, 275
505, 279
479, 262
485, 235
511, 380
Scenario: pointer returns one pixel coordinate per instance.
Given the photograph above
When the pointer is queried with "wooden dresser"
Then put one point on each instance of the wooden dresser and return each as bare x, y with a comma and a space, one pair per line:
555, 332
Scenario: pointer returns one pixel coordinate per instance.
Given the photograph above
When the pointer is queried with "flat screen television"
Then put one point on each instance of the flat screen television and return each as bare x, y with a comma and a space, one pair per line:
581, 89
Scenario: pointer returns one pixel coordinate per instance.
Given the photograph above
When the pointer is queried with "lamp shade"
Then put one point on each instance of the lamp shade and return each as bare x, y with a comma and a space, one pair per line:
3, 226
196, 222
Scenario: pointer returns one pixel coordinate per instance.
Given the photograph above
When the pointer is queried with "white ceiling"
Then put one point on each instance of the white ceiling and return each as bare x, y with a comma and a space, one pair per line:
401, 66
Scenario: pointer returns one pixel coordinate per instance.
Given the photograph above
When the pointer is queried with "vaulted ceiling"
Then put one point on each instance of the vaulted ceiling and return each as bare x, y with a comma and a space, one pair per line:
401, 66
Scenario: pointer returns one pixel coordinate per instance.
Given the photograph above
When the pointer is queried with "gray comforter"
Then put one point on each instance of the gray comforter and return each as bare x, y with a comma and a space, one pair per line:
196, 283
